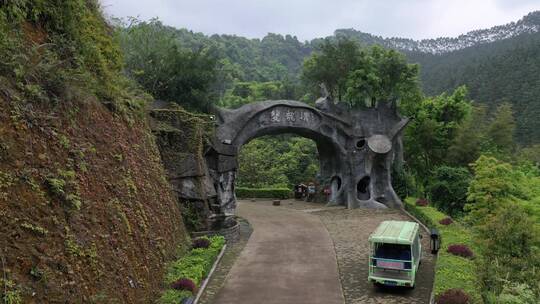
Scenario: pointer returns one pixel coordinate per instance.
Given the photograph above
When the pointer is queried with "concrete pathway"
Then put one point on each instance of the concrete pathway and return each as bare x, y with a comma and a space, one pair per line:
289, 258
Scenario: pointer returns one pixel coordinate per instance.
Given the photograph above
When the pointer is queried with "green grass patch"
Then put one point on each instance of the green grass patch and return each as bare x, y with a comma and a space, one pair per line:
281, 193
451, 271
195, 265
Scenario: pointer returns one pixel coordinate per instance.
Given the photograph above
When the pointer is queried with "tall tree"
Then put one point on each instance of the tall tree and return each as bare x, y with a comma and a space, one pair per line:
361, 76
381, 75
432, 129
157, 61
332, 65
470, 137
501, 129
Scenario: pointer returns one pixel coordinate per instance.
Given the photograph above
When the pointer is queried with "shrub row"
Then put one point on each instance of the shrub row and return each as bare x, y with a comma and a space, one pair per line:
281, 193
185, 275
452, 272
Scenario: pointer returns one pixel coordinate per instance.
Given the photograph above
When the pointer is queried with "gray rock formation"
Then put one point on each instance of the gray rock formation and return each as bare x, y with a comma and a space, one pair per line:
181, 141
356, 147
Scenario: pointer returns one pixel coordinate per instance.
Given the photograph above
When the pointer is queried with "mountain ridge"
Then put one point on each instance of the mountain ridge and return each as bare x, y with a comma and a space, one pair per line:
530, 23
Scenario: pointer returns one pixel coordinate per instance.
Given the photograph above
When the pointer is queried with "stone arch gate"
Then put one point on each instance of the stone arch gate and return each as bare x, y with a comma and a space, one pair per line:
357, 148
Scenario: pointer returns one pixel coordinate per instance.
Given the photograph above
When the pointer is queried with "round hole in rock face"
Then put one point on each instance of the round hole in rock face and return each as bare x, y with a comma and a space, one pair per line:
335, 184
360, 144
362, 188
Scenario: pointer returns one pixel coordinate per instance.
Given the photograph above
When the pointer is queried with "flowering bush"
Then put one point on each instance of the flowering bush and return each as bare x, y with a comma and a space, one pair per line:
446, 221
453, 296
460, 250
187, 273
184, 284
422, 202
200, 243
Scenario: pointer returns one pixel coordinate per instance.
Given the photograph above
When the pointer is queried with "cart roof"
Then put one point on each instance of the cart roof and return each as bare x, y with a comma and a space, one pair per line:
395, 232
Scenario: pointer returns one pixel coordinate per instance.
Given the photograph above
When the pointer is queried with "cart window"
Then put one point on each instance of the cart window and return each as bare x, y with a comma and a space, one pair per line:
393, 251
416, 248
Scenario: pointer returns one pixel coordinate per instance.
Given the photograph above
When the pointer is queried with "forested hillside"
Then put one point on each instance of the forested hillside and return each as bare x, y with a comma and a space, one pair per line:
502, 71
500, 64
527, 25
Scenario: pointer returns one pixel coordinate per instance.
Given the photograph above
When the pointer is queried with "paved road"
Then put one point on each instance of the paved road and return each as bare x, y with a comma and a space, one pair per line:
289, 258
350, 230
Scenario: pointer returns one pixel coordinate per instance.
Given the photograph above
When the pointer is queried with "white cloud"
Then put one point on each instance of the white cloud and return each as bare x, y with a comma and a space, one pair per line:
309, 19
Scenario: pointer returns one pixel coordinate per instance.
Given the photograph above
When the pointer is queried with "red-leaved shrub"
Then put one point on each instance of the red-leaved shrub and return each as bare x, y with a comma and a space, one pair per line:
453, 296
184, 284
461, 250
422, 202
200, 243
446, 221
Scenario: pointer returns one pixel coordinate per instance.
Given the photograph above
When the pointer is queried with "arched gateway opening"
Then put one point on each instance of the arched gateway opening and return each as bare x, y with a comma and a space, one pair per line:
356, 148
277, 161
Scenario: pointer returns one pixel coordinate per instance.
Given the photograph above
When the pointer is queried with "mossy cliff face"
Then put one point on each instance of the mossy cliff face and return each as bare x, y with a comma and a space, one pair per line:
182, 137
47, 44
86, 212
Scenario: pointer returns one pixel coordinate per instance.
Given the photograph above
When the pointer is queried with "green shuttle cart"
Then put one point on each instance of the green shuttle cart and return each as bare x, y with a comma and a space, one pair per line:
395, 253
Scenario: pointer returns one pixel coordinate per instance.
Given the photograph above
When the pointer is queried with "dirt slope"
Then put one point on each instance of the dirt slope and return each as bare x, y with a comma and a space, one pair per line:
86, 213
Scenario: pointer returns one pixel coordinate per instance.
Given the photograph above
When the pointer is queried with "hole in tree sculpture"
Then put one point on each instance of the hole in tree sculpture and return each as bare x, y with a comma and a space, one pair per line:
356, 147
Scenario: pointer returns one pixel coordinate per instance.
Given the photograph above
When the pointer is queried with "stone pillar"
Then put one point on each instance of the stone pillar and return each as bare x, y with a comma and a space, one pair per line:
225, 192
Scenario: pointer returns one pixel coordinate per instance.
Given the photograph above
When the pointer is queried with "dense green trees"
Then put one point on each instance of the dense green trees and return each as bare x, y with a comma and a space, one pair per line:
242, 93
448, 189
433, 127
501, 129
498, 72
383, 75
494, 184
467, 143
504, 209
360, 76
332, 66
168, 70
277, 161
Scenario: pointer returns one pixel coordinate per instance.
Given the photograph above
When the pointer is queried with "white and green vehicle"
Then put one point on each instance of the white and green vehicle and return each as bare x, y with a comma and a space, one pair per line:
395, 253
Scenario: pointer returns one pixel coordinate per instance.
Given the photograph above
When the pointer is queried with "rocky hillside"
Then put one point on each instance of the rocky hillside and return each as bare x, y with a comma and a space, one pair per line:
86, 212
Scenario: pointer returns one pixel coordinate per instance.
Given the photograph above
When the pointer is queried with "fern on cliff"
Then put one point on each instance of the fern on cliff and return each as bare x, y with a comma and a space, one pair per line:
51, 48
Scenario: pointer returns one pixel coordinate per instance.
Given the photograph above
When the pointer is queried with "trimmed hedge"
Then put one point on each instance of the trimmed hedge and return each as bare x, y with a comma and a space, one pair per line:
451, 272
281, 193
194, 266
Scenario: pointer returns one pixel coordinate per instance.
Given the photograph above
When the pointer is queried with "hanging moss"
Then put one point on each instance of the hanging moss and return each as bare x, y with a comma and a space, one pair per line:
181, 137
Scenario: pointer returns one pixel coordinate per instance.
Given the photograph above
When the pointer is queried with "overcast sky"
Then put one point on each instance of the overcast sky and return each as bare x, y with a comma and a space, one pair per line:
308, 19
